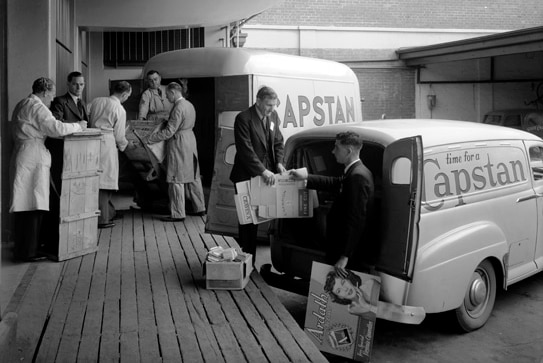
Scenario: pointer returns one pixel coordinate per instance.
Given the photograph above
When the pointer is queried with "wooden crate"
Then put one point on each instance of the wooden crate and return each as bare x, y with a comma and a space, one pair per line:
78, 227
232, 275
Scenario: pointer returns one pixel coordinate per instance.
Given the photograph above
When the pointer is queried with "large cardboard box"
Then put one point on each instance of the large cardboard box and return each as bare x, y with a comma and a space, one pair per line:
341, 312
229, 275
247, 212
257, 202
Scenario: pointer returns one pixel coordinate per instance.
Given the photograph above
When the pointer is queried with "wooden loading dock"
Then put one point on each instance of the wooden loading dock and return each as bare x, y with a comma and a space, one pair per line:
141, 298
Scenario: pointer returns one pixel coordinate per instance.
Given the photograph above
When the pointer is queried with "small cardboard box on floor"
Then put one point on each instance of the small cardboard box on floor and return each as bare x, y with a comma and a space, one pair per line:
257, 202
341, 312
227, 269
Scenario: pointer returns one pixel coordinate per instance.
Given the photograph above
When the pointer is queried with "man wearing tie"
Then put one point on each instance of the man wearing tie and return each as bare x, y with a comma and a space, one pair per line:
259, 151
348, 217
68, 108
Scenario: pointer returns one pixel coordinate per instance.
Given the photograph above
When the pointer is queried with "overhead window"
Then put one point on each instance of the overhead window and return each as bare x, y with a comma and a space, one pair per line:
136, 48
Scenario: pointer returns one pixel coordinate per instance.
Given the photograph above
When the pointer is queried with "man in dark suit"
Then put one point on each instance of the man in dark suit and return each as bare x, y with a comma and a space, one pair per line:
68, 108
353, 205
259, 151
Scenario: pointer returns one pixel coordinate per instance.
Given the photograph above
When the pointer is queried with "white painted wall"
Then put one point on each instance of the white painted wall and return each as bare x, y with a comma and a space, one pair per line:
470, 101
30, 43
99, 76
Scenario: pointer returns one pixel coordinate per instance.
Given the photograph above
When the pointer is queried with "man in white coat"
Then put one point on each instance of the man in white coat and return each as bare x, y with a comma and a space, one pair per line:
108, 114
182, 167
32, 122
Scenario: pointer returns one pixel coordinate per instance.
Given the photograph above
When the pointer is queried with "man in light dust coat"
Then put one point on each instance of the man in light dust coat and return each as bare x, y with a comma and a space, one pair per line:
108, 115
32, 122
182, 167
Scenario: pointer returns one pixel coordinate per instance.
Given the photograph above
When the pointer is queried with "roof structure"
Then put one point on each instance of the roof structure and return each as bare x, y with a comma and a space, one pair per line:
513, 42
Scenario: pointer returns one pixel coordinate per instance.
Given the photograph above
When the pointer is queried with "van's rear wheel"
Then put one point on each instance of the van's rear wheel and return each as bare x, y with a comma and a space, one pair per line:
479, 299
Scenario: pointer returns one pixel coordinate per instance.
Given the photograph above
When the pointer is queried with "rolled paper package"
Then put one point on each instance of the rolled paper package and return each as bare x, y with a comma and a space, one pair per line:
303, 172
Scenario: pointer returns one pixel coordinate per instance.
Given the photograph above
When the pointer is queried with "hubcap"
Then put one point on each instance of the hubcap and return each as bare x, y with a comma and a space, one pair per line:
478, 291
477, 294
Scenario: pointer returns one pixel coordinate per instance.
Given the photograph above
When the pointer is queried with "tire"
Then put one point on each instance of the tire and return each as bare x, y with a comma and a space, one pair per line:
479, 298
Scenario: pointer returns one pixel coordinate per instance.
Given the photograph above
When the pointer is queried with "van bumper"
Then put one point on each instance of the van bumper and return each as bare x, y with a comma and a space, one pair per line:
400, 313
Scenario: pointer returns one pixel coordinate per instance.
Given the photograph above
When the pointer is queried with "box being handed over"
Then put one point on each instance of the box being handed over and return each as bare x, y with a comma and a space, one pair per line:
341, 311
257, 202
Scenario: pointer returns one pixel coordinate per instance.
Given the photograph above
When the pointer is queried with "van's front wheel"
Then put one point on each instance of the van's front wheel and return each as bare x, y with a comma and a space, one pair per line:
479, 299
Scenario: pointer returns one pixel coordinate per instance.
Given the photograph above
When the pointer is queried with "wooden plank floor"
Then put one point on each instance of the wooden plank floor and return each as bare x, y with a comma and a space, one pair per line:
141, 298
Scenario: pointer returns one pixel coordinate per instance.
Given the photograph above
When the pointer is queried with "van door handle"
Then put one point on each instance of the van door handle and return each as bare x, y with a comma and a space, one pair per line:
533, 196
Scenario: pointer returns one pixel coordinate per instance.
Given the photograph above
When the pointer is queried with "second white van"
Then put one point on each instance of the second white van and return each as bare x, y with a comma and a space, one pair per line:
224, 81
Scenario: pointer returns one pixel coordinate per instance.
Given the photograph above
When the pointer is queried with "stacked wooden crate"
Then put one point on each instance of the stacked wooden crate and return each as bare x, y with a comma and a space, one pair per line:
78, 228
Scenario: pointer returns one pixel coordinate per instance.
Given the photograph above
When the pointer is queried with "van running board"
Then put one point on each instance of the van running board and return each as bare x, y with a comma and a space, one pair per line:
387, 311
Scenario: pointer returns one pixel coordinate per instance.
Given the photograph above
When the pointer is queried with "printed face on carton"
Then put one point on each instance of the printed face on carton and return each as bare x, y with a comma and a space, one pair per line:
344, 289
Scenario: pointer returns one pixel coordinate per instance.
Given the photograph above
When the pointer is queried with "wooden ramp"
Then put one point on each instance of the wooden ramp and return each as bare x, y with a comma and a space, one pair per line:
141, 298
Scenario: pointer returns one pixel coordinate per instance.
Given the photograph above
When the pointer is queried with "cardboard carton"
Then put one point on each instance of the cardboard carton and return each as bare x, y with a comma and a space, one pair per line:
247, 213
229, 275
257, 202
342, 325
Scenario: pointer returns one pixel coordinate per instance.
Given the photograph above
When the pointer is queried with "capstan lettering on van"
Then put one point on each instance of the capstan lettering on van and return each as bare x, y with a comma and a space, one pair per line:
308, 103
458, 173
320, 110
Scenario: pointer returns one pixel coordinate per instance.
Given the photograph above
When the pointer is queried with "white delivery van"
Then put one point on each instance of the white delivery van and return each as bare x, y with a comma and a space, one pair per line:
224, 81
457, 210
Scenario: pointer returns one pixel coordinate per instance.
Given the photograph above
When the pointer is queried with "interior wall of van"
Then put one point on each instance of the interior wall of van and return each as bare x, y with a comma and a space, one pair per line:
201, 93
302, 241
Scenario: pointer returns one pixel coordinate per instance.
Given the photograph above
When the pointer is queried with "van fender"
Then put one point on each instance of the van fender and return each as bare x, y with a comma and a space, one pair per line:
445, 265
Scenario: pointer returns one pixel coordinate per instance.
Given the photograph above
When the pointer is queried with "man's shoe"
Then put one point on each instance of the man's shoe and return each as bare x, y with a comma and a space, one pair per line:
171, 219
199, 214
106, 225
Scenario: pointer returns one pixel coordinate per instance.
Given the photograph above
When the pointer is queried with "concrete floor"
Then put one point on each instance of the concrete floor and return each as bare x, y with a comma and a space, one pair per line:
514, 332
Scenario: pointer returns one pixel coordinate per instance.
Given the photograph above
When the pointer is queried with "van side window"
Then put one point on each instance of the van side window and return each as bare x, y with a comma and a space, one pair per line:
401, 171
536, 162
492, 119
512, 121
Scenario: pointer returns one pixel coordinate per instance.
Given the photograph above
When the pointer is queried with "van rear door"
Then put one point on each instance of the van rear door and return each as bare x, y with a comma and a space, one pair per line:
400, 212
232, 95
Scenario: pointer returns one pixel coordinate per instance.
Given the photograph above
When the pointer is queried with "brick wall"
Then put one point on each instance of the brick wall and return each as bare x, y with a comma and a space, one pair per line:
459, 14
387, 91
391, 91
